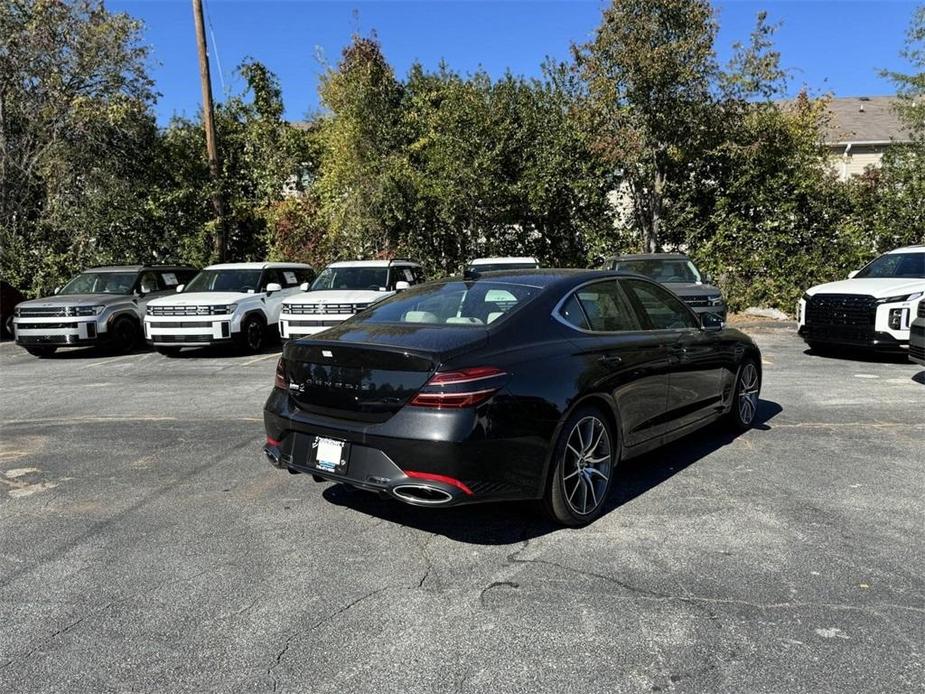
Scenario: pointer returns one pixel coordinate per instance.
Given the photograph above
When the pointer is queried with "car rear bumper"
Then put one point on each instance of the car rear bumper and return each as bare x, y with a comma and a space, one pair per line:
848, 336
417, 450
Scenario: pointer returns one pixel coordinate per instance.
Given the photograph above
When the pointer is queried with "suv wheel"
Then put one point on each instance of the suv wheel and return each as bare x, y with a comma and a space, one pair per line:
124, 334
584, 460
253, 334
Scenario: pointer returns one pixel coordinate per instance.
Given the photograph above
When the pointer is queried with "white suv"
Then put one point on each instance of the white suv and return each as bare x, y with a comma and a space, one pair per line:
343, 289
236, 302
873, 308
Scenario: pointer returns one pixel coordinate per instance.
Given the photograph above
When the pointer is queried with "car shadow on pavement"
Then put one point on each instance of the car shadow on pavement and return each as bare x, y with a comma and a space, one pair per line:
858, 355
504, 523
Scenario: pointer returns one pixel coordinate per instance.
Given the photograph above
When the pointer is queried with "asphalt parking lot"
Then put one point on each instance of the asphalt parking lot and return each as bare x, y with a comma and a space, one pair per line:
146, 545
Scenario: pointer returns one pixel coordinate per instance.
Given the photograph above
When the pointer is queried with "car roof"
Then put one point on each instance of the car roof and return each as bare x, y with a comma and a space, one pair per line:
541, 277
257, 266
918, 248
651, 256
136, 268
375, 263
503, 259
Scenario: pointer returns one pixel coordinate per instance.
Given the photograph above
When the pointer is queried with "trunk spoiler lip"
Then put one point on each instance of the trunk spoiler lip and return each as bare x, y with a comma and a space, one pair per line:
436, 356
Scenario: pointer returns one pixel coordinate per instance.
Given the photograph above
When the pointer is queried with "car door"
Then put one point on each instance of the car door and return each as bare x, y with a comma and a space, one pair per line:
621, 358
696, 357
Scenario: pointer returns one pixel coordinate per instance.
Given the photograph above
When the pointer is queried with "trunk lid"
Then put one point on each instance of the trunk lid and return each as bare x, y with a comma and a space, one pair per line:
367, 372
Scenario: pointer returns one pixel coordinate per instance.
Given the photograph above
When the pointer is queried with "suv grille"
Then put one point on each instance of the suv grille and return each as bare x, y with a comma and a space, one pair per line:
187, 310
699, 301
44, 312
847, 310
921, 312
323, 309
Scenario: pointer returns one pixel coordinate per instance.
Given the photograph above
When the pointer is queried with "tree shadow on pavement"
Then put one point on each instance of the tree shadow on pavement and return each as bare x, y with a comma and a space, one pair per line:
504, 523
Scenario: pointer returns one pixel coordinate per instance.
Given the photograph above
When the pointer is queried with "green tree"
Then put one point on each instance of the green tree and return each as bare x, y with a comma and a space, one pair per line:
648, 73
76, 134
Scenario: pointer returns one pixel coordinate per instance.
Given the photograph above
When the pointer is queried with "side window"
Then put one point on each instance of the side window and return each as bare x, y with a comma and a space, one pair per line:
606, 308
408, 275
170, 279
662, 308
148, 282
305, 275
572, 313
290, 277
418, 274
270, 276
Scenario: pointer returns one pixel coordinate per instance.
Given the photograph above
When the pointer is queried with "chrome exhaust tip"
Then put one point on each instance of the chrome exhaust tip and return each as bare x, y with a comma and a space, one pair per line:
422, 494
272, 455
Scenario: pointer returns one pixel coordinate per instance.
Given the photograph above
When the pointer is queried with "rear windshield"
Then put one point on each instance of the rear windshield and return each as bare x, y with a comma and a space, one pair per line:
101, 283
451, 303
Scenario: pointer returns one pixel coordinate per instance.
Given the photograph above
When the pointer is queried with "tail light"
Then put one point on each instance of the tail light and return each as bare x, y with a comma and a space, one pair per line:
461, 388
280, 380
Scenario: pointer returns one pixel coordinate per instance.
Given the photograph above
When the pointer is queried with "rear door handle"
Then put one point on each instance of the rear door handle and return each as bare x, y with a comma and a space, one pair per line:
611, 360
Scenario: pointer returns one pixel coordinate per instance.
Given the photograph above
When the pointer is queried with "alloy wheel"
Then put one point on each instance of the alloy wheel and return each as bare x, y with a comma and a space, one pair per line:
587, 465
748, 393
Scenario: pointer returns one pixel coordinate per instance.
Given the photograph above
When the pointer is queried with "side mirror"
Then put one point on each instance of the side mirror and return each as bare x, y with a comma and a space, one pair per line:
304, 286
57, 289
712, 322
706, 279
401, 284
273, 287
180, 288
852, 274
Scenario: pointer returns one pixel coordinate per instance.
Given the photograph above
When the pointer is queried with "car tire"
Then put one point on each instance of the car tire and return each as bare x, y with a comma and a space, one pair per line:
123, 335
8, 326
41, 352
253, 334
745, 397
168, 351
583, 463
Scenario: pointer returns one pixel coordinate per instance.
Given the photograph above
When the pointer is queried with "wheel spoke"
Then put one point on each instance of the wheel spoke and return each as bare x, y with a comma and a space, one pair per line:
597, 461
571, 475
595, 471
574, 489
584, 495
591, 488
573, 450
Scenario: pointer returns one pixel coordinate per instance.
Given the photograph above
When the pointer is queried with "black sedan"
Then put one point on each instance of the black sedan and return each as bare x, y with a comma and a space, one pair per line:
528, 384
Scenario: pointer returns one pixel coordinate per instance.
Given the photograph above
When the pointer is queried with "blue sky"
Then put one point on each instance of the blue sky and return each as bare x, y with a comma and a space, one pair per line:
830, 46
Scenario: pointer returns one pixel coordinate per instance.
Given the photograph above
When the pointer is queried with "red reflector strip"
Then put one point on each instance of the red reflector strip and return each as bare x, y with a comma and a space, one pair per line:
272, 442
438, 478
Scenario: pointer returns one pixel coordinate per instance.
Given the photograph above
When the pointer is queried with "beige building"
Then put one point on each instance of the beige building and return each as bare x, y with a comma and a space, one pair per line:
860, 131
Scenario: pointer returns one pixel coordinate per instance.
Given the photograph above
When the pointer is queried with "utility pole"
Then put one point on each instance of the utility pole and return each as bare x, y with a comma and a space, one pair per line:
207, 120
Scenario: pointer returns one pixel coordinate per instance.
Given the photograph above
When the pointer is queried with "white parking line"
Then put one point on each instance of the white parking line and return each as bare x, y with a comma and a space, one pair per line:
265, 356
112, 360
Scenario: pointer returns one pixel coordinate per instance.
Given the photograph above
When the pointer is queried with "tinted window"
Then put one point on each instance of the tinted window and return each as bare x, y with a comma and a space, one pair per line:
305, 275
910, 265
662, 308
290, 277
450, 303
494, 267
573, 314
606, 308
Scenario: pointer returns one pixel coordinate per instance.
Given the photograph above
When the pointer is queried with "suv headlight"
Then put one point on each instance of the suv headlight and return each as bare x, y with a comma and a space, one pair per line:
901, 297
229, 308
86, 310
715, 300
